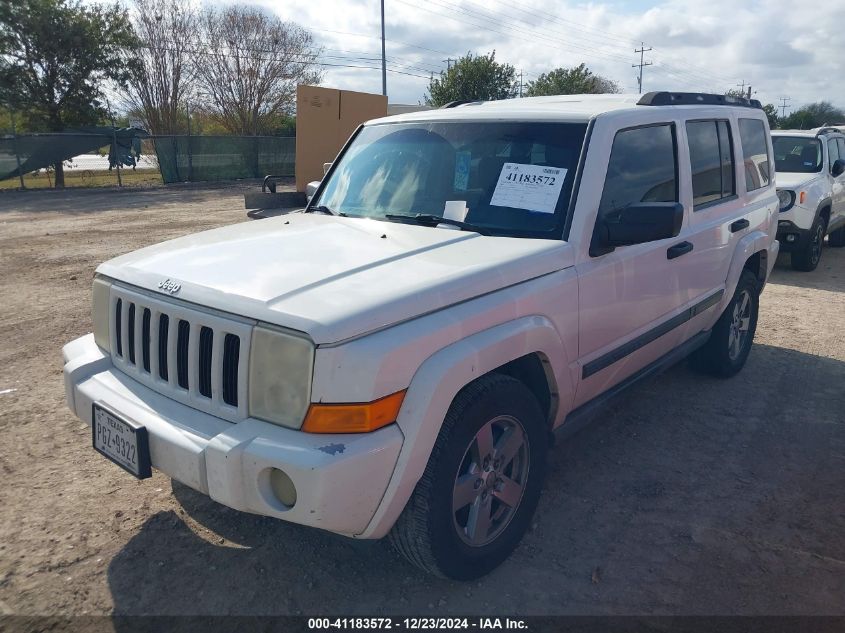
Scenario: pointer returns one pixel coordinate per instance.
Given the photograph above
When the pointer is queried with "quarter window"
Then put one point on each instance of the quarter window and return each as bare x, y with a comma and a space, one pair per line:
833, 152
642, 168
755, 153
711, 158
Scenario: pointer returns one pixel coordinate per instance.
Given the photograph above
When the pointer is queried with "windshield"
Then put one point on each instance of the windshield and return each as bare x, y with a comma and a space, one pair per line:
798, 154
507, 178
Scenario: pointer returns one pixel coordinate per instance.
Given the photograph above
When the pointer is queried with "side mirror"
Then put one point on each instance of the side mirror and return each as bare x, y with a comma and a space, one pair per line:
641, 222
311, 189
838, 167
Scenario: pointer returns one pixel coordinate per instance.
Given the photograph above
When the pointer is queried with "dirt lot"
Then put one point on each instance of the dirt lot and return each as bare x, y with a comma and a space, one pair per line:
690, 496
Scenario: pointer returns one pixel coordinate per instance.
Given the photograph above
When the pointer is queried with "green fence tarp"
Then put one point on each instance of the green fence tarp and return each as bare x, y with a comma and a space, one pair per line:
198, 158
37, 151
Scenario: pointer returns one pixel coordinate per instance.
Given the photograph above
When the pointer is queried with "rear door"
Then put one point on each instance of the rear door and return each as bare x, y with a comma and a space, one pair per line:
836, 150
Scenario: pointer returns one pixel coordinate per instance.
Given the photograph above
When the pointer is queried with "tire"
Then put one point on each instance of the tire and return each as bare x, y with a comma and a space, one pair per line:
727, 349
451, 542
807, 259
836, 238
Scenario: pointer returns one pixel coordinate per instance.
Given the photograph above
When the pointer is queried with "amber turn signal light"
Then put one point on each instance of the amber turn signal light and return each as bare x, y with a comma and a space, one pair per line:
802, 197
353, 418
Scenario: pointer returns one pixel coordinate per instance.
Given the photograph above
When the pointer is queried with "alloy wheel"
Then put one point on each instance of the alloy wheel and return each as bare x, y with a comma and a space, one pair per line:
740, 322
490, 481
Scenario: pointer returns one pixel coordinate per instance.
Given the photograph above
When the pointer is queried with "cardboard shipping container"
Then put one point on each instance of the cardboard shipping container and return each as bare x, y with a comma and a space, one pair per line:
325, 118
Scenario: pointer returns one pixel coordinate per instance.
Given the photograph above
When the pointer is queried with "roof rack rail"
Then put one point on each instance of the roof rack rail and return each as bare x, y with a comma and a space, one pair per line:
454, 104
826, 129
696, 98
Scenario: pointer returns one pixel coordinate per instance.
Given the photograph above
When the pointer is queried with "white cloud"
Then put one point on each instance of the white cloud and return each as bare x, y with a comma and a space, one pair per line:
781, 48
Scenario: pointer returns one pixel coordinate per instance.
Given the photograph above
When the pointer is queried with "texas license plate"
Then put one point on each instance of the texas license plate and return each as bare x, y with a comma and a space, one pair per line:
123, 442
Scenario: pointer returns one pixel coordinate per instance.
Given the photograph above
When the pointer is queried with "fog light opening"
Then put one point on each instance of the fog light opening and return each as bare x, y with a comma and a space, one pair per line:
282, 487
791, 237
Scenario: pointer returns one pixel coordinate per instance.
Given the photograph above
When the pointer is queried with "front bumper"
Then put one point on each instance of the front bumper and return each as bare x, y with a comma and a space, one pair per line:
340, 479
791, 237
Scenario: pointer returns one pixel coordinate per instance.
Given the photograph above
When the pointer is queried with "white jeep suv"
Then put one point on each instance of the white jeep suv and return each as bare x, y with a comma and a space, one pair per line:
811, 187
394, 359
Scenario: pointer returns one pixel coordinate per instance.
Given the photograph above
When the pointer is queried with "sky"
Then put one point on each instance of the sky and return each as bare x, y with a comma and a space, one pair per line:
792, 49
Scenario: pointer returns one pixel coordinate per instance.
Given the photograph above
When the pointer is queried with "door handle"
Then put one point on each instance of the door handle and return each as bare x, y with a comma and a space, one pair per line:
679, 249
739, 225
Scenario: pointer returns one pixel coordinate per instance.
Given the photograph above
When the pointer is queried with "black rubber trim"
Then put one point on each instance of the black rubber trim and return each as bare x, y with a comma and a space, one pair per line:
583, 415
602, 362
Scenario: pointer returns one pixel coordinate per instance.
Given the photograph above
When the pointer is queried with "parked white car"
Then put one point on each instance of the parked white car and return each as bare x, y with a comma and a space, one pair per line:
811, 187
465, 281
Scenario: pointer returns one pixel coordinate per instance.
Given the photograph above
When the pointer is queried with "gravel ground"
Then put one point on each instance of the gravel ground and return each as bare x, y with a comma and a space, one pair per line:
689, 496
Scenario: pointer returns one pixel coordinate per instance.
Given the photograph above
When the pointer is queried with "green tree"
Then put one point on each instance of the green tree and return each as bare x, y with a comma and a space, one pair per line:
55, 57
771, 111
570, 81
813, 115
473, 78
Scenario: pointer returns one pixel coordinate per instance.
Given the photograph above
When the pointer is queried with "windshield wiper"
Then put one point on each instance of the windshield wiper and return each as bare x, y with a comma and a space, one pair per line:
321, 208
427, 219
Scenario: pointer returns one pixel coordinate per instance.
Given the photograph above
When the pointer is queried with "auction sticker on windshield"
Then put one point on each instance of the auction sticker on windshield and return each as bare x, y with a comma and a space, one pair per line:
529, 187
124, 443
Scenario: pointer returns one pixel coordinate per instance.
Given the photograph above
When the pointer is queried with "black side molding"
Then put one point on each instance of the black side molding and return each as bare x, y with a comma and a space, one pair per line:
602, 362
696, 98
583, 415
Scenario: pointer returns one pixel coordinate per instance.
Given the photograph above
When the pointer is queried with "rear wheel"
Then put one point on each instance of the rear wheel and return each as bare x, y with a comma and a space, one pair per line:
482, 483
726, 351
836, 238
807, 258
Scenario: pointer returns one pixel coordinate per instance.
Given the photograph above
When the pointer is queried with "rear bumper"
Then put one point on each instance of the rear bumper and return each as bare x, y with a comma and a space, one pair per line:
340, 479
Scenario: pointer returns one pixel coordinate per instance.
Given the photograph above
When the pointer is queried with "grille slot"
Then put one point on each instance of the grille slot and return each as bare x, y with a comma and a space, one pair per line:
182, 340
193, 356
131, 331
231, 353
205, 350
118, 325
163, 325
145, 339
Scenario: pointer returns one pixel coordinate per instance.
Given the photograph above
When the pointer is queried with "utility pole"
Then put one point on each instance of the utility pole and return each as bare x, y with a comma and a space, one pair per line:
784, 106
383, 56
190, 149
520, 83
642, 50
448, 61
741, 87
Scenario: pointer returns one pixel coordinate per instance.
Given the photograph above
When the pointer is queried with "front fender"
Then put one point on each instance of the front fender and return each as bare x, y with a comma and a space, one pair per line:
436, 383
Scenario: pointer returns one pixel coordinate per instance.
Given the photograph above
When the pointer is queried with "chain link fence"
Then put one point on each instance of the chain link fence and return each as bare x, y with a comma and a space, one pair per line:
130, 157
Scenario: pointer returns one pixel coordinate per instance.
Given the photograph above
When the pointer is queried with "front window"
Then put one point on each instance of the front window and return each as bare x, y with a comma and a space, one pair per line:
798, 154
508, 178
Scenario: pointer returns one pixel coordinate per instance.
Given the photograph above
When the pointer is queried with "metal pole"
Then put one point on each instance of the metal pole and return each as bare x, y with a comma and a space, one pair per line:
383, 56
17, 155
114, 142
190, 149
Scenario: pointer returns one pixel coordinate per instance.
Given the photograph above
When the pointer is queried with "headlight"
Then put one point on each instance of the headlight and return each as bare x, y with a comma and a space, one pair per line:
280, 368
786, 199
100, 312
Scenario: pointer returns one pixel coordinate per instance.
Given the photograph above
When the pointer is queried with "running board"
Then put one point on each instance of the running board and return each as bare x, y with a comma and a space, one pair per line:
581, 417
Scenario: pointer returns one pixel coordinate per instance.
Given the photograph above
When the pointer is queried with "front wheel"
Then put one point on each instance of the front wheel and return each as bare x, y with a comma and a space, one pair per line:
807, 258
726, 351
482, 483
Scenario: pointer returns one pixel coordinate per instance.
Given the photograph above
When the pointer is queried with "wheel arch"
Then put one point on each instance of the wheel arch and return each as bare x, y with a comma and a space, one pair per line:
521, 348
751, 253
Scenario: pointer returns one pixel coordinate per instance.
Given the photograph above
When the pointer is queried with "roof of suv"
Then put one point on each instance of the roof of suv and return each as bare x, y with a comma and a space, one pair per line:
813, 133
570, 108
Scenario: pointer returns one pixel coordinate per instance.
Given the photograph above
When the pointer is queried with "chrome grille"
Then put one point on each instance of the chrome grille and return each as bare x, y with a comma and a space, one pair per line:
185, 353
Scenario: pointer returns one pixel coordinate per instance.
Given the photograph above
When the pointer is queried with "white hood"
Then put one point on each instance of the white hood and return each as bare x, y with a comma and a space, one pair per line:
336, 278
793, 180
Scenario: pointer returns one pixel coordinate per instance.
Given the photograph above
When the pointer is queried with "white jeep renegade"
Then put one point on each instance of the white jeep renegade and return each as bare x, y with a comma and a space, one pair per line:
465, 281
811, 187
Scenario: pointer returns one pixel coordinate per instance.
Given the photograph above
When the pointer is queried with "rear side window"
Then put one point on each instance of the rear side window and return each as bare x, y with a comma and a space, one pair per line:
711, 158
755, 153
642, 168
